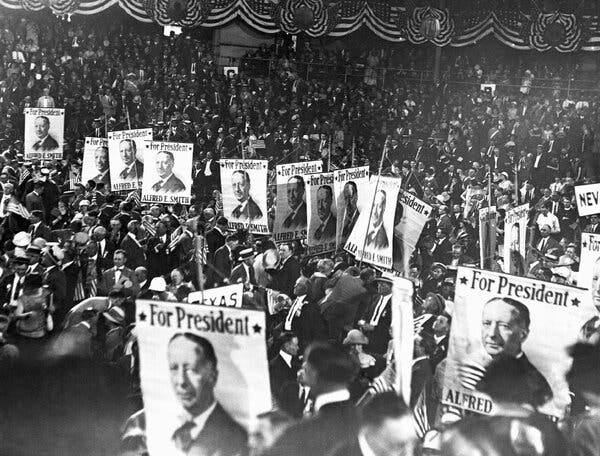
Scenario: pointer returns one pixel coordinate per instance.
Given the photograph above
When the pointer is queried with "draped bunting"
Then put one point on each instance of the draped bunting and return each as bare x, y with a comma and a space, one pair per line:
430, 24
388, 20
555, 31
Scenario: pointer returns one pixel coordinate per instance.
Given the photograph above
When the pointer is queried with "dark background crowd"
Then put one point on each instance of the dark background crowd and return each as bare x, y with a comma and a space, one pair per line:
76, 256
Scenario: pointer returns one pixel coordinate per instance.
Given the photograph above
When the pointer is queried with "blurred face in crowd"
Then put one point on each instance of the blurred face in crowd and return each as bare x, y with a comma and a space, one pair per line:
378, 208
393, 437
263, 435
441, 325
41, 126
164, 164
295, 192
285, 251
127, 151
193, 377
101, 158
502, 330
324, 199
241, 186
20, 269
118, 259
292, 347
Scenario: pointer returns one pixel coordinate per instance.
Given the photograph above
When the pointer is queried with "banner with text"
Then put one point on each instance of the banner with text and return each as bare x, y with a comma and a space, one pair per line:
290, 210
244, 188
168, 176
227, 296
95, 162
589, 266
487, 236
44, 133
588, 199
371, 239
409, 220
351, 187
515, 239
126, 157
498, 315
403, 334
189, 353
321, 210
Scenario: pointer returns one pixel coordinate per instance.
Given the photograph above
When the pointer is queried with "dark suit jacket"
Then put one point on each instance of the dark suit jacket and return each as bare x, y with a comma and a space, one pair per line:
100, 179
214, 240
134, 173
107, 281
309, 326
285, 278
251, 211
297, 220
172, 185
378, 240
34, 202
159, 261
328, 232
222, 264
71, 275
334, 424
239, 275
135, 254
380, 336
280, 373
49, 143
348, 449
42, 231
349, 225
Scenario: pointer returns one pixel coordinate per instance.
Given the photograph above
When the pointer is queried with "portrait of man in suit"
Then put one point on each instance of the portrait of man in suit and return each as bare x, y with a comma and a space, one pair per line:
169, 182
101, 162
296, 219
45, 142
247, 209
377, 237
205, 428
351, 212
133, 168
505, 324
326, 229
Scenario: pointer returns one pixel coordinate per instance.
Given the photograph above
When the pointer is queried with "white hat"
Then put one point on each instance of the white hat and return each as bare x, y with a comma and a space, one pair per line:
84, 203
39, 242
158, 284
55, 253
22, 239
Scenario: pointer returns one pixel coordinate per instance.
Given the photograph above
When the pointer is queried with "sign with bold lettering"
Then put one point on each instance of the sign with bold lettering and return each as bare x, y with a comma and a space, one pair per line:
44, 133
200, 363
228, 296
515, 239
497, 316
126, 156
588, 199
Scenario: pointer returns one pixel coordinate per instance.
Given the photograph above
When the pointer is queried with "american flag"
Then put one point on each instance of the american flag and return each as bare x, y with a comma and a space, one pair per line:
17, 208
74, 178
201, 249
149, 227
79, 290
134, 197
25, 173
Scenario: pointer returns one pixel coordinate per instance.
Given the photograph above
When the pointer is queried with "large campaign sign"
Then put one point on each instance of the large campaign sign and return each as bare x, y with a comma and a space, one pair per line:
95, 161
322, 213
126, 157
200, 363
44, 133
498, 315
290, 210
402, 334
351, 188
588, 199
589, 266
244, 189
515, 239
371, 239
409, 220
168, 176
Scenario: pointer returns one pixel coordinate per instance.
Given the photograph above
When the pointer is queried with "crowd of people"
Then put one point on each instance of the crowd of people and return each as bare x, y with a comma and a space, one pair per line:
75, 256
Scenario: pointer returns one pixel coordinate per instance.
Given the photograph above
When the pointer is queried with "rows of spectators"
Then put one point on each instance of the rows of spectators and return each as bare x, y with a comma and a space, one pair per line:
76, 256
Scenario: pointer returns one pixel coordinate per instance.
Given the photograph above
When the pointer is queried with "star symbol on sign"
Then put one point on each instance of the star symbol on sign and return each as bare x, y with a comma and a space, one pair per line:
142, 316
463, 280
584, 244
575, 302
257, 328
426, 212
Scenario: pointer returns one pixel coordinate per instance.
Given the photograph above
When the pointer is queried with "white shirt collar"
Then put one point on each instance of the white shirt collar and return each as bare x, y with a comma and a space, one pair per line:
286, 357
199, 421
365, 449
166, 179
329, 398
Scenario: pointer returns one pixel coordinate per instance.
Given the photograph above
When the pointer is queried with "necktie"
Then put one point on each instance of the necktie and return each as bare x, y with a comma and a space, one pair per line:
156, 187
543, 244
123, 174
182, 437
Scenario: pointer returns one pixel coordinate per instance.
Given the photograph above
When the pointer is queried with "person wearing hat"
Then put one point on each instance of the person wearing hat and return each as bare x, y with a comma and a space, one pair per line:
110, 328
157, 290
376, 321
244, 271
34, 253
38, 229
370, 366
12, 283
435, 278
